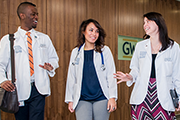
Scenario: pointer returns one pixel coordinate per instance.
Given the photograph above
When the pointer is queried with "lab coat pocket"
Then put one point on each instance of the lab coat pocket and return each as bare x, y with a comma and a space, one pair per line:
141, 62
43, 53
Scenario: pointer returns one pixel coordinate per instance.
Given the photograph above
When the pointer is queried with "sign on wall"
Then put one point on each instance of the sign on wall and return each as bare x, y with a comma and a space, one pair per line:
126, 47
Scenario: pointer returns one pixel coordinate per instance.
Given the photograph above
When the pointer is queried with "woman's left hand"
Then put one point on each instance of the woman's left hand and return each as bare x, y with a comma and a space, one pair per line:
111, 105
178, 109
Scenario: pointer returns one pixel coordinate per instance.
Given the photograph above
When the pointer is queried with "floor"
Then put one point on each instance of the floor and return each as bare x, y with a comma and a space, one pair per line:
178, 117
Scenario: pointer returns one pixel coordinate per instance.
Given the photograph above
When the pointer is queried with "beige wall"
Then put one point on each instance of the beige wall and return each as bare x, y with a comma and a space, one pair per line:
60, 19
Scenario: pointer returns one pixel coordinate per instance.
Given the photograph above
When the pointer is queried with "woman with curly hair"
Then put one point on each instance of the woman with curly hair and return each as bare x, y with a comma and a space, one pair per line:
91, 89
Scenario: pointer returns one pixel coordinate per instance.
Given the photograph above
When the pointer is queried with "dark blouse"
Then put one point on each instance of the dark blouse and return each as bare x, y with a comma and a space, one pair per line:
91, 89
153, 71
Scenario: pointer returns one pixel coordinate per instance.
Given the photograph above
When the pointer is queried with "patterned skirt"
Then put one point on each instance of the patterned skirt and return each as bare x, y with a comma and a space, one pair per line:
151, 108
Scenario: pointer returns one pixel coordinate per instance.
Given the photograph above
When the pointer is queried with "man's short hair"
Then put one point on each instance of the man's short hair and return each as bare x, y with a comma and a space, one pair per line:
22, 7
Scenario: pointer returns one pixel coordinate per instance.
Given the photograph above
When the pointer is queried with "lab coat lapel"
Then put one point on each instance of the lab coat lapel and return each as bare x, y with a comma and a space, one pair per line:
159, 57
162, 52
96, 60
148, 49
19, 42
81, 63
81, 54
36, 38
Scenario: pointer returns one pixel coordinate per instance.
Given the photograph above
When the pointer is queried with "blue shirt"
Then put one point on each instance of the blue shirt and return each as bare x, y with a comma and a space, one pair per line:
91, 89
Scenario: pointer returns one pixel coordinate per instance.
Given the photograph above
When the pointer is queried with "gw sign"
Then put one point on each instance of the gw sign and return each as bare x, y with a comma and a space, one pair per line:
126, 47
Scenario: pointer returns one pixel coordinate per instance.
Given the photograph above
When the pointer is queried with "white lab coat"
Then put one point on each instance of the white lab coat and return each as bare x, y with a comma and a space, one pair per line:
75, 72
43, 51
167, 67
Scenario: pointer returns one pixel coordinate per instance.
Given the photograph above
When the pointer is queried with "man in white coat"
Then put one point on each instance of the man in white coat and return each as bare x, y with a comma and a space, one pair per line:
35, 61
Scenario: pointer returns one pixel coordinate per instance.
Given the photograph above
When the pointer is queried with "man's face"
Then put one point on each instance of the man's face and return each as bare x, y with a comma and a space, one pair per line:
30, 18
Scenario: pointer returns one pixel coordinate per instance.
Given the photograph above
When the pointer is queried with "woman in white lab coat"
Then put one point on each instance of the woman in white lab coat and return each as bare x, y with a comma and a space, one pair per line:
155, 70
91, 89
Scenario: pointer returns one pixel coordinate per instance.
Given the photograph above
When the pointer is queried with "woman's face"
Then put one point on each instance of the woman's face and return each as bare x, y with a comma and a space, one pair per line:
150, 27
91, 33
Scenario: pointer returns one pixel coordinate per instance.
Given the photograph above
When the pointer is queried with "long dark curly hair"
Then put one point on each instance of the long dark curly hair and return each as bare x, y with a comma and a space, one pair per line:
99, 44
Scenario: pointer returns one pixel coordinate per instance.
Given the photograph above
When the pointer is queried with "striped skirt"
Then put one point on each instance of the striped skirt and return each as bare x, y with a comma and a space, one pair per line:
151, 108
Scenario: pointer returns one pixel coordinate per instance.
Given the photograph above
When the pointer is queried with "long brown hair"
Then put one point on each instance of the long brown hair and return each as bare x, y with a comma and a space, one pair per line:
99, 44
163, 32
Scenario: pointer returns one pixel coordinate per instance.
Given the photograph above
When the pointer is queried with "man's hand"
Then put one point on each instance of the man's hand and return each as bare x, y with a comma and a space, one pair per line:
47, 66
7, 85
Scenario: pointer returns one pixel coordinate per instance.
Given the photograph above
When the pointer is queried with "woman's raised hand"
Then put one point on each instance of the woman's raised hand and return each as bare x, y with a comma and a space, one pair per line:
123, 77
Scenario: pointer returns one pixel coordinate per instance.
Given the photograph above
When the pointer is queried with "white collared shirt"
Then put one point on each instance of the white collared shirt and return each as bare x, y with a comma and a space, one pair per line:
24, 37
